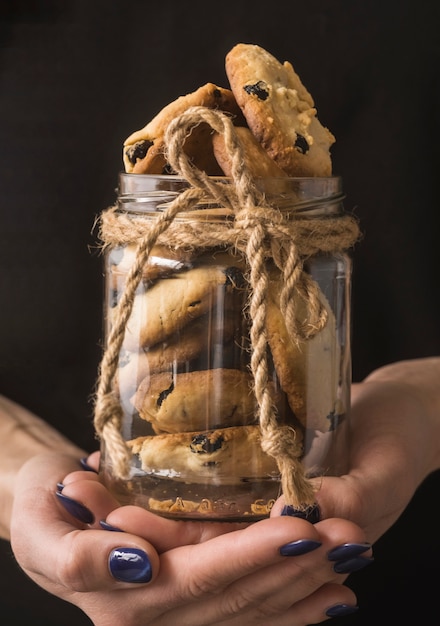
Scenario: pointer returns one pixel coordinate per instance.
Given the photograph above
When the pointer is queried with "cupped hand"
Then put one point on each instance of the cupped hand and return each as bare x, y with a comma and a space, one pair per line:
394, 445
145, 569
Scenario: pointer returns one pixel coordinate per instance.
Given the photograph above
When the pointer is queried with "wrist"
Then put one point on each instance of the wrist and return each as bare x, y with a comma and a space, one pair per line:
24, 436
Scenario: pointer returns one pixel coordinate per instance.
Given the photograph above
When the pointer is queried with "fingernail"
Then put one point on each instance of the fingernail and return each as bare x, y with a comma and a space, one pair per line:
352, 565
347, 551
86, 466
338, 610
311, 514
296, 548
106, 526
60, 487
75, 508
130, 565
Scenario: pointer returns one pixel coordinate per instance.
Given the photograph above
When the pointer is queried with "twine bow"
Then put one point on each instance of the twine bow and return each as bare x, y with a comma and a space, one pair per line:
261, 232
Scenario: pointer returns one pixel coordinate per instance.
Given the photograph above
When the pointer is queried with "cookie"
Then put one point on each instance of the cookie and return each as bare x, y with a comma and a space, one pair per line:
308, 371
257, 161
144, 150
279, 111
223, 456
207, 341
171, 303
198, 400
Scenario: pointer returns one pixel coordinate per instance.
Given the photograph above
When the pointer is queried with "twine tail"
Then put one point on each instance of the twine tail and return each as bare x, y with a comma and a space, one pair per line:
277, 440
296, 488
108, 411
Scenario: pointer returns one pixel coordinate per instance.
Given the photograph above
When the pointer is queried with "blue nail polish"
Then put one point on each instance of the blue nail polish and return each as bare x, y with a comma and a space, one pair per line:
86, 466
130, 565
296, 548
352, 565
106, 526
60, 487
311, 513
338, 610
75, 508
347, 551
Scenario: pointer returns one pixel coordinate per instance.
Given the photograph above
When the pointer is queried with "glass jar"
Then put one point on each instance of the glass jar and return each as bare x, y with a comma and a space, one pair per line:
185, 379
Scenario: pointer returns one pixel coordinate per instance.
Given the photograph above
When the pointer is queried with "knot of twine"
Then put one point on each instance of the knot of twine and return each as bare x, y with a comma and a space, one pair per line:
258, 230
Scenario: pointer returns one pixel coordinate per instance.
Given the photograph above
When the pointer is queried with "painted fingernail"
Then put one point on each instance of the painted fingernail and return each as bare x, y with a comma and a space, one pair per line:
338, 610
75, 508
86, 466
311, 514
106, 526
60, 487
347, 551
352, 565
296, 548
130, 565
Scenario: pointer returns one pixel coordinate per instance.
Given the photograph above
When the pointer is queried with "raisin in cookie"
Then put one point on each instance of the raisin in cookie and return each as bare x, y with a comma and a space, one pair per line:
308, 370
144, 150
222, 456
197, 400
200, 344
279, 111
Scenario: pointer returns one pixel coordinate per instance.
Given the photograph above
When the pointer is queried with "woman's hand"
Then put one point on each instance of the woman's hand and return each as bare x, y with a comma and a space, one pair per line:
148, 570
395, 445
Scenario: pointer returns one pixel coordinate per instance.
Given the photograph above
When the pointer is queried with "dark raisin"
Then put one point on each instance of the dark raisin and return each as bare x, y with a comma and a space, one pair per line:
201, 444
301, 144
138, 150
259, 89
164, 394
195, 303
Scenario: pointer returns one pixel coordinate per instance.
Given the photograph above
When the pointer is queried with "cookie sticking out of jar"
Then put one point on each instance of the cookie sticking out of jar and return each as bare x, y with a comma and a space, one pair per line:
228, 306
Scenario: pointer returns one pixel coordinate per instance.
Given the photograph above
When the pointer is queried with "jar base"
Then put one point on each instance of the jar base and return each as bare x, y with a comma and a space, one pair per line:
246, 502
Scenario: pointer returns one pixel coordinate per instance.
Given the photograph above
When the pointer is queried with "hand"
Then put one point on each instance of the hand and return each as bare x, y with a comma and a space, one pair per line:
184, 572
395, 445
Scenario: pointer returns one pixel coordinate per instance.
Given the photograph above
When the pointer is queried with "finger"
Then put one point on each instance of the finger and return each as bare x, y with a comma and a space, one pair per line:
166, 534
94, 560
248, 550
329, 600
260, 584
86, 499
59, 556
93, 460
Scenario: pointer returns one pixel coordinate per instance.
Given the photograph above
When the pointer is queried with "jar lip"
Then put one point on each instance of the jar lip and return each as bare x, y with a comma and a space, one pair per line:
152, 192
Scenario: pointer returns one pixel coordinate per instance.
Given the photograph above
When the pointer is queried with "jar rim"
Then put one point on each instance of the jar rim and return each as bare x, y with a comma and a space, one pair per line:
148, 193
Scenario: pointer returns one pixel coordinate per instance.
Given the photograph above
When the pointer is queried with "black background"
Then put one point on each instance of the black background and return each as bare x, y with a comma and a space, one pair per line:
78, 76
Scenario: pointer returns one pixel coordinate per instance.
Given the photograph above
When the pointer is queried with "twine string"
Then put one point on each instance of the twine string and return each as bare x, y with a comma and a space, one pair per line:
261, 232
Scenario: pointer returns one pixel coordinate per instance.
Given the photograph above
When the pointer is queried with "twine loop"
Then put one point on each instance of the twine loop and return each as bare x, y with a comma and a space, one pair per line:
260, 231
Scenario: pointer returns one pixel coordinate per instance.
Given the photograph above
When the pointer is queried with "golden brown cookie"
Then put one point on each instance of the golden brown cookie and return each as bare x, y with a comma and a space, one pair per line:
197, 400
308, 371
257, 161
279, 111
144, 150
223, 456
207, 339
171, 303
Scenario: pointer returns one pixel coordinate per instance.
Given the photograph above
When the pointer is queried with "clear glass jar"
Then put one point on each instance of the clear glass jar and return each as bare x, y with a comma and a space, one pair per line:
184, 382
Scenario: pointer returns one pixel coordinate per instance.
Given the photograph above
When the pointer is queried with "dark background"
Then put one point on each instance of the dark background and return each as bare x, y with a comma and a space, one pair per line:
78, 76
